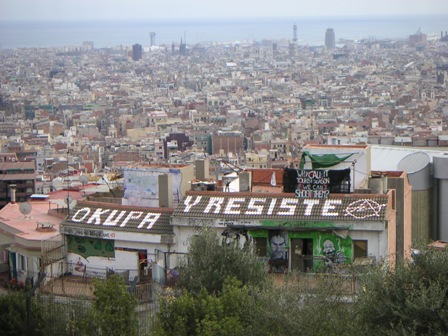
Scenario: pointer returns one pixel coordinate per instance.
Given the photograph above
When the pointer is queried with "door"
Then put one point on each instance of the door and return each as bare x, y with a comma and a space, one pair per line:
297, 260
308, 254
302, 254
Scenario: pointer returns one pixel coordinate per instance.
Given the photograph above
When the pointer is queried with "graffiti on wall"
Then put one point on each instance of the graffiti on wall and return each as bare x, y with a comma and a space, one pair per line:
89, 247
331, 254
142, 185
286, 208
334, 250
240, 237
278, 255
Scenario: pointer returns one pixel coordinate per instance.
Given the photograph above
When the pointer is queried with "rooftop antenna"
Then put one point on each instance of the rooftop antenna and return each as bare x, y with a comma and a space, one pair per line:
70, 203
68, 199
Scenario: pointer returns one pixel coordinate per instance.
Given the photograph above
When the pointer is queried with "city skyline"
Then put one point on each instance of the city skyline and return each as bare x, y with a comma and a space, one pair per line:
174, 9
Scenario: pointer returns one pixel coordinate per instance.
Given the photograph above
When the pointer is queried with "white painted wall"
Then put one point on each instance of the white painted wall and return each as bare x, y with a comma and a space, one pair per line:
376, 242
97, 266
361, 155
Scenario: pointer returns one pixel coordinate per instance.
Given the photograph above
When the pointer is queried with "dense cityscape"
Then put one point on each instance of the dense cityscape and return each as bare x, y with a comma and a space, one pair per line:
320, 158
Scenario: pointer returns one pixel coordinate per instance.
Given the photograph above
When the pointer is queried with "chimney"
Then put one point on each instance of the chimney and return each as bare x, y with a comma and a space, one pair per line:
202, 169
165, 191
378, 184
245, 179
12, 193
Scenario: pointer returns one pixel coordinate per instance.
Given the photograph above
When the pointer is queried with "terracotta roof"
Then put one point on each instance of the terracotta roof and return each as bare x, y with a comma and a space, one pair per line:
338, 207
24, 226
114, 217
21, 177
16, 165
263, 176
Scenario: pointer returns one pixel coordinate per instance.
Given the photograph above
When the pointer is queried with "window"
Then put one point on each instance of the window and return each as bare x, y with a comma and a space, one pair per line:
359, 248
260, 247
22, 262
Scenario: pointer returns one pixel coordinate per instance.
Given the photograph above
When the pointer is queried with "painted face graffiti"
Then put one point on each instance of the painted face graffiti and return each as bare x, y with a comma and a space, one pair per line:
330, 253
278, 247
329, 250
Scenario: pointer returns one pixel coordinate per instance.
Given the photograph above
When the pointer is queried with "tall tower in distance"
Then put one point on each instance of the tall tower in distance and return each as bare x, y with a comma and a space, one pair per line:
152, 36
293, 44
330, 39
137, 52
294, 34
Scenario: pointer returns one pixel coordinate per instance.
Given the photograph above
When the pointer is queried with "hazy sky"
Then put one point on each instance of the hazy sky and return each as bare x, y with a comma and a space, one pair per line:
188, 9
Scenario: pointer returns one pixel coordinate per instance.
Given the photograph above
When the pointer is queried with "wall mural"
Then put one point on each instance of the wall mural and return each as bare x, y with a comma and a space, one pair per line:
328, 249
278, 251
236, 236
142, 185
334, 250
91, 247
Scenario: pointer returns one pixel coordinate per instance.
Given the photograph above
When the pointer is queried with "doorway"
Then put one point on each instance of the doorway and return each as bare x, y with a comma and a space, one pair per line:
302, 254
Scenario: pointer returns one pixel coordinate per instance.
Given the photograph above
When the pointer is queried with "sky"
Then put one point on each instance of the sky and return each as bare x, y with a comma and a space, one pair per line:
209, 9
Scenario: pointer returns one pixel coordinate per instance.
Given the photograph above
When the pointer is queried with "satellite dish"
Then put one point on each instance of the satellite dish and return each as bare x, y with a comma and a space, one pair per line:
25, 208
83, 179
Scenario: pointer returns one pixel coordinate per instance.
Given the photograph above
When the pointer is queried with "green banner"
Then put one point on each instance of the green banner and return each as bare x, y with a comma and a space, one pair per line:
91, 247
322, 160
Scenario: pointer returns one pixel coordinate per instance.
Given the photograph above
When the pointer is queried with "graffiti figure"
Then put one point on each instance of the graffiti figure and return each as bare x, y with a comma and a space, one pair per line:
331, 255
278, 247
239, 237
79, 266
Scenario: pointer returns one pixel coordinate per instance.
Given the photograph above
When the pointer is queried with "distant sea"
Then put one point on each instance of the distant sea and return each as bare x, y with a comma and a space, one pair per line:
310, 30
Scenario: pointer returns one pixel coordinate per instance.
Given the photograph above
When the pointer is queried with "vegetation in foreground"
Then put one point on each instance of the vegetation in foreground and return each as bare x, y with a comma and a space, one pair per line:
216, 295
111, 313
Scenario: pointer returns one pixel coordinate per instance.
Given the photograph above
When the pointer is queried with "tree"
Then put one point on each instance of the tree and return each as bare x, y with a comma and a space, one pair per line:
210, 263
13, 315
232, 312
113, 311
410, 299
224, 290
216, 290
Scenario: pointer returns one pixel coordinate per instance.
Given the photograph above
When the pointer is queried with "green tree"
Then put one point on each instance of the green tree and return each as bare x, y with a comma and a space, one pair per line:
216, 290
224, 290
229, 313
291, 309
411, 299
210, 263
13, 315
113, 311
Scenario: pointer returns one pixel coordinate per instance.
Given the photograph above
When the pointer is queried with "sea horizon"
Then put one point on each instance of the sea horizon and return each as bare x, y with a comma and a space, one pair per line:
115, 32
